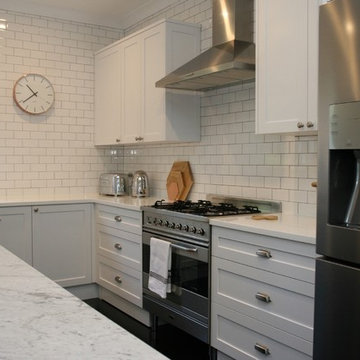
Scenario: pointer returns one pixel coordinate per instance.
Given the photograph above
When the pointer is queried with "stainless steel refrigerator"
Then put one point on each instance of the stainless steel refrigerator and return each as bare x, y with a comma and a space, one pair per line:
337, 284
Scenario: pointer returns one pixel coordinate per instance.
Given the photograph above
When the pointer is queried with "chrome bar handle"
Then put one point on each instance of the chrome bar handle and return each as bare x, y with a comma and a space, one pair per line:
117, 218
263, 297
262, 348
188, 249
117, 246
118, 279
264, 253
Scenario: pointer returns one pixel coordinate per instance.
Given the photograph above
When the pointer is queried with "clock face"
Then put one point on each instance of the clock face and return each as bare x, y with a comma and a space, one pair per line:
34, 94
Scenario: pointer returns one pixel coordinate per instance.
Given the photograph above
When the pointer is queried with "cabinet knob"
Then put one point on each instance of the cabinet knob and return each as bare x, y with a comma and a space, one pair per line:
264, 253
262, 348
117, 246
117, 218
118, 279
139, 138
117, 140
263, 297
300, 125
309, 124
36, 209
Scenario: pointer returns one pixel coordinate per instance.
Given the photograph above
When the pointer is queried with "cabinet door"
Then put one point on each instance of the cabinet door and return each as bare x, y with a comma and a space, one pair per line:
62, 239
108, 79
132, 89
153, 122
286, 66
15, 231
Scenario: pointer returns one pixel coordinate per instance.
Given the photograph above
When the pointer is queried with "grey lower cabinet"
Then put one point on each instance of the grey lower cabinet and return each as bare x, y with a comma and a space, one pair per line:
15, 231
55, 239
62, 239
262, 296
119, 258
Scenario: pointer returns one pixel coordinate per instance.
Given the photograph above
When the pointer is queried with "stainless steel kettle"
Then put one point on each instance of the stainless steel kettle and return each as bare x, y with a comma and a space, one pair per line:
140, 184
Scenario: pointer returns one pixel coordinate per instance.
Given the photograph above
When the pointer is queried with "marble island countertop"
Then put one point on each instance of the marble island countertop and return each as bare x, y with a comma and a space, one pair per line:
41, 320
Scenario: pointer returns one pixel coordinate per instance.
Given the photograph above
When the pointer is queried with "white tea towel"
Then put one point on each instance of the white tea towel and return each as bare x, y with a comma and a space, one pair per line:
160, 267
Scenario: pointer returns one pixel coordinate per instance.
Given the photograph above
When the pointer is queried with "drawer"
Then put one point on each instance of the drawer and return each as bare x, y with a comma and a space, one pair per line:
245, 289
118, 218
289, 258
237, 335
117, 245
120, 279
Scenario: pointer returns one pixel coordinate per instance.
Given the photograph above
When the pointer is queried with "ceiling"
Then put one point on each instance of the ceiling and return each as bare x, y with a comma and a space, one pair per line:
114, 13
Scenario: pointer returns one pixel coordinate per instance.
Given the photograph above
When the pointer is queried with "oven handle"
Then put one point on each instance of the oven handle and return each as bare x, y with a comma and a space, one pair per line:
188, 249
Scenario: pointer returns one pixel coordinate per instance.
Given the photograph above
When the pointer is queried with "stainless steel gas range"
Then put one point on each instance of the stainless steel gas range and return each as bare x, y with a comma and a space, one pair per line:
185, 224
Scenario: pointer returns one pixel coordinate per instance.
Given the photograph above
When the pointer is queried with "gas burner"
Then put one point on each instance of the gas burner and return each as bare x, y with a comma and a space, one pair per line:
205, 208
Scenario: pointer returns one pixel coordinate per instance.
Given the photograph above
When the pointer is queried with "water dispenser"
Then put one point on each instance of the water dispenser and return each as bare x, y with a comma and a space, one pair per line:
344, 165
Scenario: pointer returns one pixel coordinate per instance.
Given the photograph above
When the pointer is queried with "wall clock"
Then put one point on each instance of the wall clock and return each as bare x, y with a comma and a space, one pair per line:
33, 93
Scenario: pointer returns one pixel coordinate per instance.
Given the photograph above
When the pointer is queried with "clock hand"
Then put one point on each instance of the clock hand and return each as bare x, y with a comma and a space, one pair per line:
34, 93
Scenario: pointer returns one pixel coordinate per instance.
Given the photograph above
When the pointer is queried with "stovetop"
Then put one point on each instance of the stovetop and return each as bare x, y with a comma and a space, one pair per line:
205, 208
190, 219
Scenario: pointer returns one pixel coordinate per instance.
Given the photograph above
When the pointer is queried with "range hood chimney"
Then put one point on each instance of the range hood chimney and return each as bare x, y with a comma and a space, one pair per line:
230, 60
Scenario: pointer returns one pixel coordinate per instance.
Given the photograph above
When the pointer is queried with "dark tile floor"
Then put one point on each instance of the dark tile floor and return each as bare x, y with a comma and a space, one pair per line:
170, 341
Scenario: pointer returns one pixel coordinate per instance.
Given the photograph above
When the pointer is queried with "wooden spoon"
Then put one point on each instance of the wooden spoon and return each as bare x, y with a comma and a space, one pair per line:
265, 217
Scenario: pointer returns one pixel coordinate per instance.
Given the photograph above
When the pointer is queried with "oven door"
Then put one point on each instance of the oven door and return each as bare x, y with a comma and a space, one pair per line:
188, 302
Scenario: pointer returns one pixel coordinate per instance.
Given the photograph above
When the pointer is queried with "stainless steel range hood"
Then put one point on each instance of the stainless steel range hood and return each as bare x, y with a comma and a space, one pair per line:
230, 60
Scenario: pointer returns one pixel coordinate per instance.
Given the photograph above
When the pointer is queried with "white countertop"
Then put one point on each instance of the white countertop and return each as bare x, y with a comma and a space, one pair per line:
127, 202
41, 320
291, 227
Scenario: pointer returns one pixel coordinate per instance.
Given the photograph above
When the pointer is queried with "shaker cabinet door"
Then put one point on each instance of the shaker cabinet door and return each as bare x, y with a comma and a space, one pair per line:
132, 89
286, 66
15, 231
62, 239
108, 80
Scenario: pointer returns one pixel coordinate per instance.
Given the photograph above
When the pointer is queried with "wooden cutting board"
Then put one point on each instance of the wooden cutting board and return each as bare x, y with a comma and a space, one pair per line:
174, 185
184, 168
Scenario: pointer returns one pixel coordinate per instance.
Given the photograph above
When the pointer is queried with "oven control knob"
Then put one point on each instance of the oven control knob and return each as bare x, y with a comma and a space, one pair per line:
155, 221
178, 226
161, 223
166, 223
193, 229
185, 227
149, 220
172, 226
201, 231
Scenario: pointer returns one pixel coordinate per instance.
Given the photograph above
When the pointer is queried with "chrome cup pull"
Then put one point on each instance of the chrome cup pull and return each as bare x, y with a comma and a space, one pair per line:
262, 348
117, 246
264, 253
263, 297
118, 279
117, 218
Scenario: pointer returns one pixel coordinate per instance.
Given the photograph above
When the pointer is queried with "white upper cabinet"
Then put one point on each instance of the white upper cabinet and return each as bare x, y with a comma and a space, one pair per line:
129, 108
108, 80
286, 66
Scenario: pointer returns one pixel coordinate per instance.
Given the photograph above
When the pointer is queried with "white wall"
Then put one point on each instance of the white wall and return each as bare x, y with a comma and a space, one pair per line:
51, 153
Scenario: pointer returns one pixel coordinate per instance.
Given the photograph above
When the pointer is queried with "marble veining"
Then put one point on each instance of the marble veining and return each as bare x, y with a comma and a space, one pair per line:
41, 320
